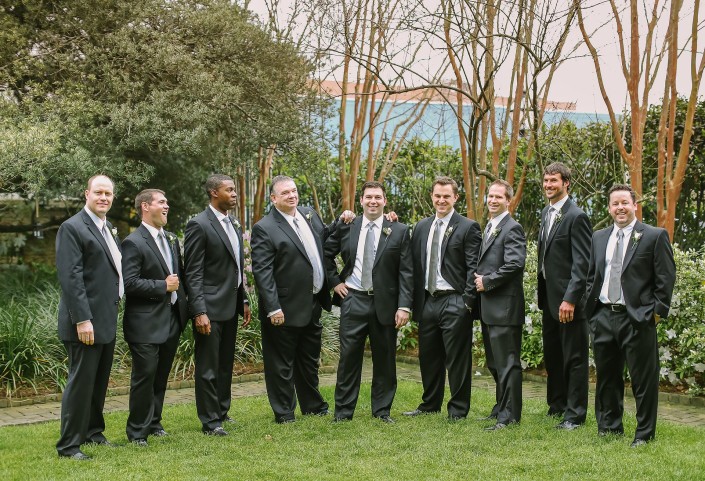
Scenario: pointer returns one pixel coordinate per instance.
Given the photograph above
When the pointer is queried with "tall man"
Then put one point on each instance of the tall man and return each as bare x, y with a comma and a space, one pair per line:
374, 292
499, 280
563, 258
445, 247
88, 263
155, 312
630, 283
287, 262
214, 261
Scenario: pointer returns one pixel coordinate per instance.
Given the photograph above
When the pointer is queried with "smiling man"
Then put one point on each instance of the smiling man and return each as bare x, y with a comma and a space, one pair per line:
155, 312
374, 292
89, 267
563, 258
499, 282
445, 247
630, 283
214, 267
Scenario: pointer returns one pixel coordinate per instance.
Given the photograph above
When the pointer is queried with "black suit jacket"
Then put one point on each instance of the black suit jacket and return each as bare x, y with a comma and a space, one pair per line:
392, 270
89, 280
211, 270
283, 272
460, 249
147, 316
566, 261
648, 272
501, 264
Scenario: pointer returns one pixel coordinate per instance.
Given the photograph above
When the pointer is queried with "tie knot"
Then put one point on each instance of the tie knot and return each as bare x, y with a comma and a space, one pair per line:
371, 225
620, 233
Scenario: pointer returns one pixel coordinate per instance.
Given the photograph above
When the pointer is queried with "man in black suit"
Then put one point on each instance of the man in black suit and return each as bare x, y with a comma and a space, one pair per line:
287, 262
563, 258
89, 268
630, 283
499, 281
445, 247
155, 312
214, 262
374, 292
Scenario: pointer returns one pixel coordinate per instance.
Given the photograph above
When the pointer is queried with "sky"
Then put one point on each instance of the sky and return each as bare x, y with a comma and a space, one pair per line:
576, 80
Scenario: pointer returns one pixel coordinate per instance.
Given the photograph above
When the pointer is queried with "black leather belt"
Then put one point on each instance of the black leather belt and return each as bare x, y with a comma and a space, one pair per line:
614, 307
442, 293
362, 293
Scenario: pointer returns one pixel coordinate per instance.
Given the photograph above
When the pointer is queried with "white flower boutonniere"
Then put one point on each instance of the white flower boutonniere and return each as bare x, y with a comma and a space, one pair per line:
114, 231
495, 231
449, 231
235, 222
559, 216
309, 214
386, 231
170, 237
635, 239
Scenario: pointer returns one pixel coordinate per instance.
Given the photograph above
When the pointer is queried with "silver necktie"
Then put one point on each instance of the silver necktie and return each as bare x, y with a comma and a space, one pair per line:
368, 257
311, 253
614, 289
166, 254
433, 261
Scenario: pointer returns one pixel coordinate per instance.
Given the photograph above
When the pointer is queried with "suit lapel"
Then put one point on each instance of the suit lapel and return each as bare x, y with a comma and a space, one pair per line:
289, 231
632, 245
449, 232
601, 250
220, 230
383, 238
424, 232
353, 239
154, 247
556, 221
99, 237
486, 245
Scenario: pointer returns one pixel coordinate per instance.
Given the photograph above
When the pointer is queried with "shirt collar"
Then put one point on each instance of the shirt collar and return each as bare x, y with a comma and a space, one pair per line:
219, 215
445, 220
99, 223
626, 229
559, 205
495, 222
377, 222
152, 230
288, 217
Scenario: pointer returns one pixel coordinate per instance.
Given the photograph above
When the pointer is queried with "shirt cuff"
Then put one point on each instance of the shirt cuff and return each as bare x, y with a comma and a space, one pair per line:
270, 314
83, 322
404, 309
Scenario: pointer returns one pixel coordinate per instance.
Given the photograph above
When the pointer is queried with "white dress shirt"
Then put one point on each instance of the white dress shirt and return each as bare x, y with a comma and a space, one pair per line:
609, 252
354, 280
441, 284
558, 206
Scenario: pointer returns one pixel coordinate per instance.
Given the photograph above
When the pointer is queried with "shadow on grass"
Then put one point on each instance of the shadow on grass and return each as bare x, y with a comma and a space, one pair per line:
313, 448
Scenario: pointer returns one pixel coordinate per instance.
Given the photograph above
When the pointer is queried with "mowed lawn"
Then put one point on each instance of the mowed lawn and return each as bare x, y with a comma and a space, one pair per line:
313, 448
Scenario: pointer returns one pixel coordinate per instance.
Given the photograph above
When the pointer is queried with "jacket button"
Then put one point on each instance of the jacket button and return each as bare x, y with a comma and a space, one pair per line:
117, 302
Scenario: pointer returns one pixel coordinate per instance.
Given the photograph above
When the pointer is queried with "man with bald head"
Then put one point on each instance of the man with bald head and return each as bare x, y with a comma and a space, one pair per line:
88, 263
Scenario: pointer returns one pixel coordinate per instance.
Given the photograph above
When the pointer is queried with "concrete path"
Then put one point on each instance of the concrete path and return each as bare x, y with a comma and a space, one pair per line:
533, 388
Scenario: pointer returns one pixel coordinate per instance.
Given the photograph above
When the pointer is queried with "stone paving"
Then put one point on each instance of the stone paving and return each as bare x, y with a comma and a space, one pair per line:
253, 385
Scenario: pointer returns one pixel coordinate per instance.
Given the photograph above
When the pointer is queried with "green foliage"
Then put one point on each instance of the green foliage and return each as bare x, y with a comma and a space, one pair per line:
408, 337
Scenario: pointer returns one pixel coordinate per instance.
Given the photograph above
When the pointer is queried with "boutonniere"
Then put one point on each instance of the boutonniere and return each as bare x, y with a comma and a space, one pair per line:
495, 231
635, 239
235, 222
170, 237
114, 231
386, 231
449, 231
308, 216
559, 216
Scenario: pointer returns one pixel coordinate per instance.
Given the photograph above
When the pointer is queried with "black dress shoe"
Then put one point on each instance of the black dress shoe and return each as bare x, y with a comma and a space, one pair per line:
103, 442
322, 413
219, 431
79, 456
385, 418
552, 413
228, 419
567, 426
496, 427
455, 418
159, 433
139, 442
609, 432
417, 412
639, 442
491, 417
341, 419
285, 421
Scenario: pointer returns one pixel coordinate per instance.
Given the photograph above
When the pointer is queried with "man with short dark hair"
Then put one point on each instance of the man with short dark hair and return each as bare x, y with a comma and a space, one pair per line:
630, 284
89, 267
499, 282
374, 292
445, 248
214, 267
563, 258
155, 312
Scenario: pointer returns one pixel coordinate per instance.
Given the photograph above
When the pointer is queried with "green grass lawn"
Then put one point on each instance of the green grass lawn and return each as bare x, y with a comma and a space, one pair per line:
313, 448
